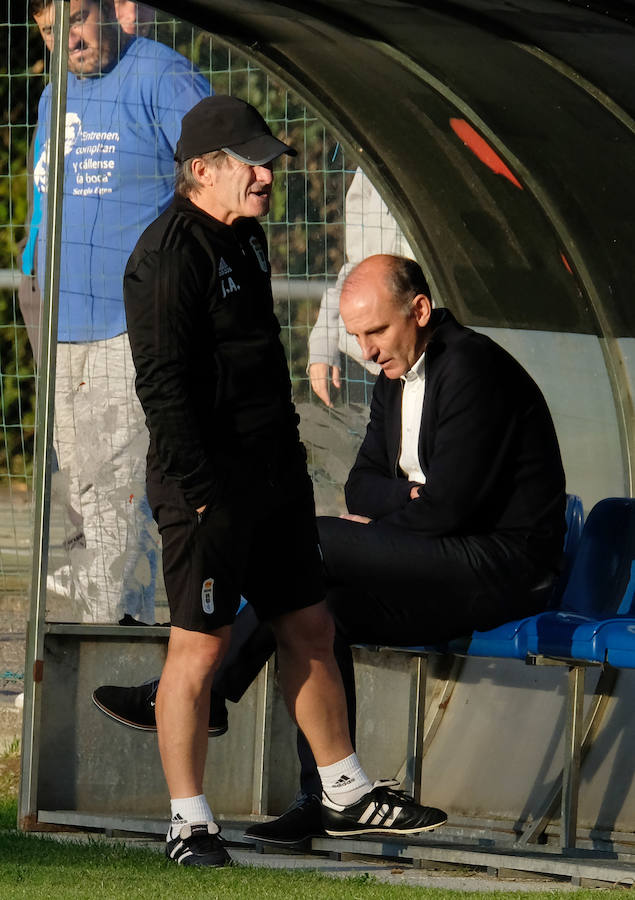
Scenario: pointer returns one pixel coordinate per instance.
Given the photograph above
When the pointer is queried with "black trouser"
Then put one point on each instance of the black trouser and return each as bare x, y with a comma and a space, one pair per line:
388, 586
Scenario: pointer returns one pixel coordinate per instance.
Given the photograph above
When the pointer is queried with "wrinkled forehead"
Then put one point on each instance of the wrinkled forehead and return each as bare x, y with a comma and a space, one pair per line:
92, 8
366, 306
46, 16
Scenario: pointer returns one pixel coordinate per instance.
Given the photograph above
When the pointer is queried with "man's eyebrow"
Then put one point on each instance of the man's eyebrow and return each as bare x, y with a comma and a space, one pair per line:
372, 330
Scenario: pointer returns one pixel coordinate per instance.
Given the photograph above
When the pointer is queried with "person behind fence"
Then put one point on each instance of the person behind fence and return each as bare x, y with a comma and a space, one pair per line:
335, 359
134, 18
126, 96
227, 477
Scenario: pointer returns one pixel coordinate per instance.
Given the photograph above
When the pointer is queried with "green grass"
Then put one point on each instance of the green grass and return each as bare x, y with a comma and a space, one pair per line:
8, 813
9, 781
36, 866
39, 867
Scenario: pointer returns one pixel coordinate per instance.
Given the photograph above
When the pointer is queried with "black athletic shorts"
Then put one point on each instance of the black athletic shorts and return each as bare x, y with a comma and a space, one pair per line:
260, 542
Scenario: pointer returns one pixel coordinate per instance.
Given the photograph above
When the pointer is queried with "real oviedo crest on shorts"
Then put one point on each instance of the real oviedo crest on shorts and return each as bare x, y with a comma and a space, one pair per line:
207, 596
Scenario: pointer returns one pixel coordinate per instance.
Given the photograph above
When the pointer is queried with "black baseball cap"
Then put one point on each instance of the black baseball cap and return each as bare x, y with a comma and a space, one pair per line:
227, 123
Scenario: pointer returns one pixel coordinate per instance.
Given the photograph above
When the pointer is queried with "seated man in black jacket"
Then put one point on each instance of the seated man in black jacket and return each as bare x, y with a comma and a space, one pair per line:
456, 497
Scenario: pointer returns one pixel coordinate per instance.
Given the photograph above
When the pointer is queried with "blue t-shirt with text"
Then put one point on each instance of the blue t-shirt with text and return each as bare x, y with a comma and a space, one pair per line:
121, 131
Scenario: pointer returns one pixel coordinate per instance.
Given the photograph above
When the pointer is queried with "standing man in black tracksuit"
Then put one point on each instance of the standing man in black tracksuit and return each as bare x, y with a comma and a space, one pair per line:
227, 478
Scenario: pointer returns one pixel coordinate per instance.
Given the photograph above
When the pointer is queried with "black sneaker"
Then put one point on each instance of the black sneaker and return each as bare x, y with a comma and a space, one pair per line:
296, 826
134, 706
382, 811
197, 845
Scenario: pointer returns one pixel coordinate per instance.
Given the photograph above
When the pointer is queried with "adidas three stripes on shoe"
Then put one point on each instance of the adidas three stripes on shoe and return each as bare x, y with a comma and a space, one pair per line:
382, 810
197, 844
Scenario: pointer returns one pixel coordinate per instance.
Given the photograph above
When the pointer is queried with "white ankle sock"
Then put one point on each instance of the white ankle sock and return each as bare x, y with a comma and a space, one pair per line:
344, 782
189, 809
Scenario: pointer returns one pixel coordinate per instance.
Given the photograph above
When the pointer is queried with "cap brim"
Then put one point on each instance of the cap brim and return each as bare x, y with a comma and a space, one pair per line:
259, 150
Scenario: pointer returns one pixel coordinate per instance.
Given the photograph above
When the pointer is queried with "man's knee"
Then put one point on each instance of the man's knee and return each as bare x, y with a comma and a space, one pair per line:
199, 654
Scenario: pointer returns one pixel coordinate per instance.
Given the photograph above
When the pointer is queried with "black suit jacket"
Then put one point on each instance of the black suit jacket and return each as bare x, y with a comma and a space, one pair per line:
487, 446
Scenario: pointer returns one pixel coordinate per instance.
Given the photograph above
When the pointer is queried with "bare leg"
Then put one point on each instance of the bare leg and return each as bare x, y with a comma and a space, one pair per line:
182, 708
311, 681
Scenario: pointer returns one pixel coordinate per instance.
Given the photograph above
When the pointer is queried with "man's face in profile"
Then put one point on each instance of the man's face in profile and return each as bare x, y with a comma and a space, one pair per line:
92, 39
44, 21
389, 333
134, 18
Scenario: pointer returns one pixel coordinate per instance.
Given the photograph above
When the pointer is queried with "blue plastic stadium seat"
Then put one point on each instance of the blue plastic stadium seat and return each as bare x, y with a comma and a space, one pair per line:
509, 640
574, 516
597, 604
614, 639
618, 640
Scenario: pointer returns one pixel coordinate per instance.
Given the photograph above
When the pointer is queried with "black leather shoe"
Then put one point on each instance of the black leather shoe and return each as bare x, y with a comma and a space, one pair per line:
296, 826
383, 810
134, 706
197, 845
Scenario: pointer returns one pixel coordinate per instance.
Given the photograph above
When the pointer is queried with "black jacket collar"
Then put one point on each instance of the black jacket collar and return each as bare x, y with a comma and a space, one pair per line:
185, 205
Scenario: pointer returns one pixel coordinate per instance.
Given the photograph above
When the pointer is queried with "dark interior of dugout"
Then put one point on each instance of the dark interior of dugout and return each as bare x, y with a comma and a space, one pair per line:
500, 134
549, 87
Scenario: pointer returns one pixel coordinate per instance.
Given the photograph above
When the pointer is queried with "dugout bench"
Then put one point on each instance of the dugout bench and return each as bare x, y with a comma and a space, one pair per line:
94, 774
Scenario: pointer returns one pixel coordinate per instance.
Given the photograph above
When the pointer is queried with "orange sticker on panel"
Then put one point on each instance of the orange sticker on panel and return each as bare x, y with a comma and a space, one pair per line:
482, 150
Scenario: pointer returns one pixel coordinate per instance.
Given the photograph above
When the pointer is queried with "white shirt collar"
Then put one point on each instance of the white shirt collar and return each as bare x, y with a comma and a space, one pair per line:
417, 371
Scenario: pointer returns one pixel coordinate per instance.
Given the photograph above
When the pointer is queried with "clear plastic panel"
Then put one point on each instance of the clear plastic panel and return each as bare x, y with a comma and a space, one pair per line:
325, 216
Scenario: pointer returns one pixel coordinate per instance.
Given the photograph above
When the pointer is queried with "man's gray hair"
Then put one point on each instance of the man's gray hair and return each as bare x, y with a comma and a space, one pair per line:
406, 280
186, 184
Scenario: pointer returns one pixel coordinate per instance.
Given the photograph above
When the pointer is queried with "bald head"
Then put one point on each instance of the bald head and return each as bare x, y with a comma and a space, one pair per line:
385, 304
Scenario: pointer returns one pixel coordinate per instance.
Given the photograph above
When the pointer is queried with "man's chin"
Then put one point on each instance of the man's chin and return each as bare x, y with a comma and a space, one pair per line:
84, 65
391, 370
260, 206
90, 62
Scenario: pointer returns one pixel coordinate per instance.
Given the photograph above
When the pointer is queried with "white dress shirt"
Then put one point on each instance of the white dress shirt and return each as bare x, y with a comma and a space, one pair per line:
414, 386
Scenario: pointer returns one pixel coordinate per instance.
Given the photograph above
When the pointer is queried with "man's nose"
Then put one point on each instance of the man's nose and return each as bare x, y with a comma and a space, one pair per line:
369, 351
264, 174
74, 36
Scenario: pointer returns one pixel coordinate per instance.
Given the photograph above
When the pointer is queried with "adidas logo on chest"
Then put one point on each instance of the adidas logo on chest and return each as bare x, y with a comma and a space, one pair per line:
227, 283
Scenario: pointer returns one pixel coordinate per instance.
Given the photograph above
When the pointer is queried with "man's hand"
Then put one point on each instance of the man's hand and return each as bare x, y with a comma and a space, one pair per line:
319, 375
414, 493
363, 520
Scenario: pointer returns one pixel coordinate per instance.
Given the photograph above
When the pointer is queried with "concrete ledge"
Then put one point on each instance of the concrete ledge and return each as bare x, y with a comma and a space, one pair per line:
578, 866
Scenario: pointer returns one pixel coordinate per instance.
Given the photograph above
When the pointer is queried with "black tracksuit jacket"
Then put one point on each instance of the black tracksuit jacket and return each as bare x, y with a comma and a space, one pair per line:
212, 376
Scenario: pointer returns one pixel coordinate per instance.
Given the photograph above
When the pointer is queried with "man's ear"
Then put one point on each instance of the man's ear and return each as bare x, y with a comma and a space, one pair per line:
422, 309
202, 172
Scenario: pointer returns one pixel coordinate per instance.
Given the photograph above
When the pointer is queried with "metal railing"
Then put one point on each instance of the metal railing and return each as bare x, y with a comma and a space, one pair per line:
283, 287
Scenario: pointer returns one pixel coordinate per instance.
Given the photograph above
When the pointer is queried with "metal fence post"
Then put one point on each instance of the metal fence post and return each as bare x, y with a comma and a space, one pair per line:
27, 809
